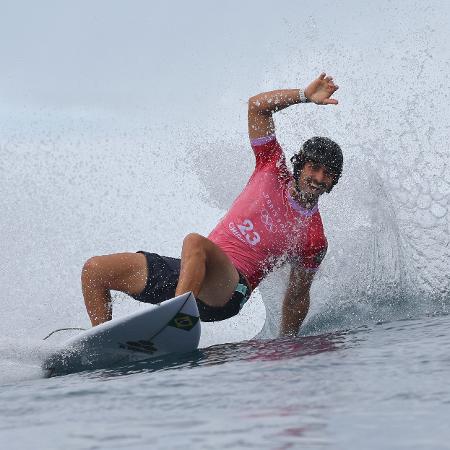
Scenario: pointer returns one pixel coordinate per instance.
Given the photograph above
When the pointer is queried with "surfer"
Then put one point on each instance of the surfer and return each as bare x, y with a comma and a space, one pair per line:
274, 219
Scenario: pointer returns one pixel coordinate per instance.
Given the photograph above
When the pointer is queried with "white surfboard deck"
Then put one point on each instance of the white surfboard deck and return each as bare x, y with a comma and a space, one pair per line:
174, 326
242, 327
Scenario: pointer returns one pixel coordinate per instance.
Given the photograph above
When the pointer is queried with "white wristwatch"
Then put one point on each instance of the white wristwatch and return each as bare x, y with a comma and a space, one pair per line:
303, 98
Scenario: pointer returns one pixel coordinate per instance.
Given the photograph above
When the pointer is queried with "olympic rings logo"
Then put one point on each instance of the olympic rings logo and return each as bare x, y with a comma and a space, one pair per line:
268, 221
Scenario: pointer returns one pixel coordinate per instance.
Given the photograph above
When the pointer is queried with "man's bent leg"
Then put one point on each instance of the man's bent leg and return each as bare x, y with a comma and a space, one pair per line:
125, 272
206, 271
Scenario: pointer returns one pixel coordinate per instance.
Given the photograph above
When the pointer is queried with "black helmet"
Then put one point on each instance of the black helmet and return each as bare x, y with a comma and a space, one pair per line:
319, 150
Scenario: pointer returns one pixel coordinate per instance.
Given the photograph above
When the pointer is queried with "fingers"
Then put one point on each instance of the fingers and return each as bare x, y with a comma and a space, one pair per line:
333, 87
326, 88
328, 79
324, 76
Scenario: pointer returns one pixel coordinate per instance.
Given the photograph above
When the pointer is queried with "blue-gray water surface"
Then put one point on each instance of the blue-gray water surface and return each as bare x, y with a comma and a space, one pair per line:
379, 386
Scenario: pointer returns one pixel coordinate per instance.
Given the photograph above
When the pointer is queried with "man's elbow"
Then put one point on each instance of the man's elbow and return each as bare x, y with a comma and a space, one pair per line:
253, 104
256, 105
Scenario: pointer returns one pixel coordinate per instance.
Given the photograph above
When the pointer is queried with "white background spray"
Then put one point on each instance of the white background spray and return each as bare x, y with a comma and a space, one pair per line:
123, 127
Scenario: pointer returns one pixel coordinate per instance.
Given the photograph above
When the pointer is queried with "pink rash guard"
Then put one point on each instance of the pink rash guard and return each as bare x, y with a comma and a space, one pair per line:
265, 225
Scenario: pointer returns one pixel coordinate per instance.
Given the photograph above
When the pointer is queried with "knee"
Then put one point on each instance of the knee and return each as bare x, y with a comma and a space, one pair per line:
92, 270
194, 239
195, 245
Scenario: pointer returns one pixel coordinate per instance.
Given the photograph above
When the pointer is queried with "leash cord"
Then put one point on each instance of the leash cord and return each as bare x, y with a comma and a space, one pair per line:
63, 329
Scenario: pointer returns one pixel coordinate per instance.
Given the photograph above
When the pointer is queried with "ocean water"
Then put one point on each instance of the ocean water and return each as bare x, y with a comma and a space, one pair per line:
372, 387
132, 134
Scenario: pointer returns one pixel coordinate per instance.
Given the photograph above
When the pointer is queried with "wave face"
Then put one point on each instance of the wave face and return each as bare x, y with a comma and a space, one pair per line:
388, 220
388, 228
160, 149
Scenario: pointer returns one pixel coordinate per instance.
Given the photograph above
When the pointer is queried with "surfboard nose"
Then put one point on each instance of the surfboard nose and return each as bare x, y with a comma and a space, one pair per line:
171, 327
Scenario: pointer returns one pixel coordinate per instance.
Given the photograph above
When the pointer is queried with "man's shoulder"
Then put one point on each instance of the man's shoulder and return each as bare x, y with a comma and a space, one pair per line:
314, 238
312, 247
270, 139
316, 226
269, 155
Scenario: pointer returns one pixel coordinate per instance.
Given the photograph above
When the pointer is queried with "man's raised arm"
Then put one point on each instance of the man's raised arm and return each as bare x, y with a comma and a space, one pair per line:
262, 106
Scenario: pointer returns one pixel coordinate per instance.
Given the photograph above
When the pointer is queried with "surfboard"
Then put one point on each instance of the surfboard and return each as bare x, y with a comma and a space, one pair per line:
173, 326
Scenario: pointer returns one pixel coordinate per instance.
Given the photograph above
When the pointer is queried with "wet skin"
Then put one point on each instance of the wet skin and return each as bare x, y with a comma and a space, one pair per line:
315, 179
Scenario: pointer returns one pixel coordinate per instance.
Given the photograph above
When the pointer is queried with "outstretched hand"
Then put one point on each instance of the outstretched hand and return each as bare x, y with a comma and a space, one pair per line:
321, 90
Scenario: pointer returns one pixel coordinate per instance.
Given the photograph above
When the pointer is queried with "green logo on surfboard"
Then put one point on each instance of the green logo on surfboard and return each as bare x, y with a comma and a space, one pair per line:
183, 321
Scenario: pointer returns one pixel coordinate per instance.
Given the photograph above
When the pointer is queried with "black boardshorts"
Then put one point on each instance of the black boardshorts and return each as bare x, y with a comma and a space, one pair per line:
162, 280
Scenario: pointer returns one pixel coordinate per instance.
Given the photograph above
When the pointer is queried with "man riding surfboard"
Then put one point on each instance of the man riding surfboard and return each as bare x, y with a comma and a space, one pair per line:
274, 219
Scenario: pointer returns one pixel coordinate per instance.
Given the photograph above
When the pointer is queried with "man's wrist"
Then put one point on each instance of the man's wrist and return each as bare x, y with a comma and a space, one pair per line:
302, 96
